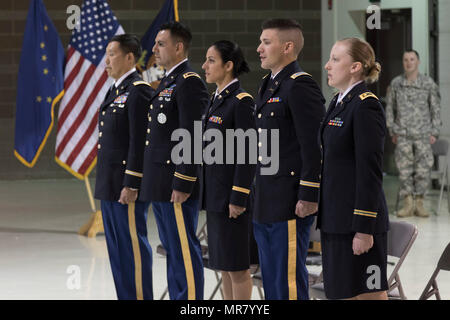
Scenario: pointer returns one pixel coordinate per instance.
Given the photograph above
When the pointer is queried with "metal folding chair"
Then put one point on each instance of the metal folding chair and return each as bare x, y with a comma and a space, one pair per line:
401, 236
257, 282
440, 149
431, 288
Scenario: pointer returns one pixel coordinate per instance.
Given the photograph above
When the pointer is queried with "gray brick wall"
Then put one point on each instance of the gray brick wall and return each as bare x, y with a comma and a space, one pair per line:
209, 20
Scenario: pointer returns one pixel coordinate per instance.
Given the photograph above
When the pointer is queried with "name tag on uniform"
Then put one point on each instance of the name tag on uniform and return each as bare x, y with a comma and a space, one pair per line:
215, 119
122, 98
273, 100
336, 122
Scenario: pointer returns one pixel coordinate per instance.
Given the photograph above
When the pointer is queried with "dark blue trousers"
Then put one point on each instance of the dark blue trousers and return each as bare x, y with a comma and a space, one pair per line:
282, 249
177, 227
129, 251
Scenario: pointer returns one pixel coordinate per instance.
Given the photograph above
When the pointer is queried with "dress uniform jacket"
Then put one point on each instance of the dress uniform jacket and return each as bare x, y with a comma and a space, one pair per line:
352, 141
122, 123
179, 101
228, 183
292, 103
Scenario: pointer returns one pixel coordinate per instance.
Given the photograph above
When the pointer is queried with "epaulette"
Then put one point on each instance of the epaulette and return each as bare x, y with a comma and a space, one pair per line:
190, 74
242, 95
265, 76
136, 83
366, 95
298, 74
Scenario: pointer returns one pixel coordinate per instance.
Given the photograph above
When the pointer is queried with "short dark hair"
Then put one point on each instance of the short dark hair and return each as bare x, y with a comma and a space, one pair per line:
230, 51
281, 24
129, 43
288, 25
412, 50
180, 32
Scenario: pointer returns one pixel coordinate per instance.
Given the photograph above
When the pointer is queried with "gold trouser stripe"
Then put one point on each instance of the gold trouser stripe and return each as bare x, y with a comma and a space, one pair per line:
292, 259
243, 190
185, 250
136, 252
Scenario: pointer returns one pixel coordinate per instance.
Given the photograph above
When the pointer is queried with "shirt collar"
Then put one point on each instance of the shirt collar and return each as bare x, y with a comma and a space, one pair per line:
412, 83
342, 95
119, 81
272, 76
229, 84
175, 66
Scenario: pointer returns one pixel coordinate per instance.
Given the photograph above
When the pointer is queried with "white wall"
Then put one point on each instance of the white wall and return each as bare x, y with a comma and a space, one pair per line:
347, 19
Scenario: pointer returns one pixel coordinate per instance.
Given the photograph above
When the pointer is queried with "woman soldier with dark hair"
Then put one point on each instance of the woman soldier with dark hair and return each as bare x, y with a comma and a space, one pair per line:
226, 187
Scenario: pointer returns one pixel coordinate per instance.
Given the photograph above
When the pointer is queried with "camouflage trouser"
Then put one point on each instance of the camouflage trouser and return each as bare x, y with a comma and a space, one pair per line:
414, 159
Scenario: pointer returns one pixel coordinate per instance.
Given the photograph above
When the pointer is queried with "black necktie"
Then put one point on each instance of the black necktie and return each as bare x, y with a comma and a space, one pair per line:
270, 84
212, 103
110, 92
161, 84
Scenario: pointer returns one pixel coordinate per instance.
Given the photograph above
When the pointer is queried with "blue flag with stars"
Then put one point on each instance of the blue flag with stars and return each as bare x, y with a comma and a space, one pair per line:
146, 64
40, 84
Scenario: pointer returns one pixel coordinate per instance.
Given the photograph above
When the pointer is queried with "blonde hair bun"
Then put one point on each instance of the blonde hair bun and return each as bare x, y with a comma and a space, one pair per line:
373, 73
361, 51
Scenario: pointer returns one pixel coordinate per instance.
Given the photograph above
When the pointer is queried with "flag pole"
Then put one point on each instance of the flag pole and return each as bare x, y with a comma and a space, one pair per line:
95, 223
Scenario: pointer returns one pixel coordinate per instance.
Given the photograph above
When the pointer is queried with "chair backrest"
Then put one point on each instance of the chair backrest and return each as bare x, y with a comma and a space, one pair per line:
440, 147
444, 261
401, 236
314, 235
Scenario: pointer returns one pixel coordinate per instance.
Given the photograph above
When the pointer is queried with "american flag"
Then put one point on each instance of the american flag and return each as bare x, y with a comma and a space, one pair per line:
85, 84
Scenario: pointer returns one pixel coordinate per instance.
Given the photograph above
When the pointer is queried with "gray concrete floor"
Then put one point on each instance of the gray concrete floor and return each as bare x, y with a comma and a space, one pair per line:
42, 256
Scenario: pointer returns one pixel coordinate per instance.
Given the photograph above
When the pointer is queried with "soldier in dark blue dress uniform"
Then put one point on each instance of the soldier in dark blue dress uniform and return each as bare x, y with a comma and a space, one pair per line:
353, 216
173, 188
290, 101
122, 124
226, 184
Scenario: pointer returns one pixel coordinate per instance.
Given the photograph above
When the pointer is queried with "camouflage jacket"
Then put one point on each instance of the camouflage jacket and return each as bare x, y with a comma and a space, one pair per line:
413, 109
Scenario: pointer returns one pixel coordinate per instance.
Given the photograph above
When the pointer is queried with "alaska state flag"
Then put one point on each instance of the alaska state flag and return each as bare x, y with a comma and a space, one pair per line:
146, 64
39, 85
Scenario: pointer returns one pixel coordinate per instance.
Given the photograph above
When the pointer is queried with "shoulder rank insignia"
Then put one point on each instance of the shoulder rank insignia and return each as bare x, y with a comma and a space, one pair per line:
298, 74
242, 95
136, 83
366, 95
190, 74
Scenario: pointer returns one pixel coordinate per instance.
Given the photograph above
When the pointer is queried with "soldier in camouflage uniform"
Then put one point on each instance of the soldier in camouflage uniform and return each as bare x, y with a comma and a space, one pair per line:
413, 120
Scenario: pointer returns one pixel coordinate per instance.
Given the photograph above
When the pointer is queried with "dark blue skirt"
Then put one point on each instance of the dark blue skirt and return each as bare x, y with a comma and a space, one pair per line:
347, 275
230, 241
